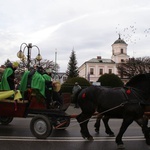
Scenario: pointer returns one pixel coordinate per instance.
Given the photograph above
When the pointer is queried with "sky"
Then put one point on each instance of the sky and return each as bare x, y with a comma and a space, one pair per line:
89, 27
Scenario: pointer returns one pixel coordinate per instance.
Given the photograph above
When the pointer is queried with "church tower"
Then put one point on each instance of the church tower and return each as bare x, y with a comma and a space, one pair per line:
119, 51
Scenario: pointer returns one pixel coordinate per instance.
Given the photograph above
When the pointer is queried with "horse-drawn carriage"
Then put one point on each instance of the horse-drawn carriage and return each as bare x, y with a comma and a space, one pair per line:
130, 103
43, 120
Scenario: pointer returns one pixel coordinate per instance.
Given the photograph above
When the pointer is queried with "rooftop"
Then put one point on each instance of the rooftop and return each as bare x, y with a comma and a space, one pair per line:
120, 41
99, 60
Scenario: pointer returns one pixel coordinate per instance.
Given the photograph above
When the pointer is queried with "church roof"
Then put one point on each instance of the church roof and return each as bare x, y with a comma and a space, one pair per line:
119, 41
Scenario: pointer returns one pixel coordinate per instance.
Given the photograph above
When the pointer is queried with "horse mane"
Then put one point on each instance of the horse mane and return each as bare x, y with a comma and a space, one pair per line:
137, 78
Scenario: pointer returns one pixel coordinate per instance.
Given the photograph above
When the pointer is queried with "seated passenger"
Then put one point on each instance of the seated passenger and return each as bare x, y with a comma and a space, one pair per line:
40, 80
32, 79
8, 77
48, 88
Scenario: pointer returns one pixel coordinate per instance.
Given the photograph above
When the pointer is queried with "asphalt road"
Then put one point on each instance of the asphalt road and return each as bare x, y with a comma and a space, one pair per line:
17, 135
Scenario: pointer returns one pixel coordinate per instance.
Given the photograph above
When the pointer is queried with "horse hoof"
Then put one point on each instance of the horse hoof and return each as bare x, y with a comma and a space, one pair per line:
148, 141
90, 138
111, 135
121, 146
83, 135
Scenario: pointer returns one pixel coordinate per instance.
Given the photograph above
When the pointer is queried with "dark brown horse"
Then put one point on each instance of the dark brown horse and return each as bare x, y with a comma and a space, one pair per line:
129, 102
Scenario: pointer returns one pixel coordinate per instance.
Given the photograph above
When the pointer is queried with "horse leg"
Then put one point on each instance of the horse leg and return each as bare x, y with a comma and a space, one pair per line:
108, 130
143, 122
97, 123
83, 120
126, 122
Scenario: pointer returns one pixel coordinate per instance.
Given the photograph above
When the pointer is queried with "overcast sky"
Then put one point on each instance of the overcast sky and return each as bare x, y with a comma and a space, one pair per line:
89, 27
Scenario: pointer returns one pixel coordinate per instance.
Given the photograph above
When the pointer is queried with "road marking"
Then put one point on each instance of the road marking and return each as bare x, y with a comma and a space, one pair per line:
68, 139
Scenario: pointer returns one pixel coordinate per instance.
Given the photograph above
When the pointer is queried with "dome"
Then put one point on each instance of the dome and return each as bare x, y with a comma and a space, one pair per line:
119, 41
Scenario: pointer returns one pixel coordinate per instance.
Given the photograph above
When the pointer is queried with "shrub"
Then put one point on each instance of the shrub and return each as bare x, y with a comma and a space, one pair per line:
110, 80
68, 85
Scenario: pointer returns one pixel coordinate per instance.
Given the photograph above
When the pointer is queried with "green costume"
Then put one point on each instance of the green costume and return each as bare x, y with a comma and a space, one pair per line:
23, 82
4, 85
47, 77
37, 82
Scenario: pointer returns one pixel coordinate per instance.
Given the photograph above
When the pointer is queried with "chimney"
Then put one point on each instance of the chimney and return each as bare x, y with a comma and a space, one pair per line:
99, 57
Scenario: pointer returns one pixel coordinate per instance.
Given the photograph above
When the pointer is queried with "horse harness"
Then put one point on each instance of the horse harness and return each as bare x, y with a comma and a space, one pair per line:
136, 97
127, 91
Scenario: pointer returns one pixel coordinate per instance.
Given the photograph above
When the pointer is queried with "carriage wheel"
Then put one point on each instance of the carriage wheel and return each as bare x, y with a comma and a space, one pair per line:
5, 120
41, 126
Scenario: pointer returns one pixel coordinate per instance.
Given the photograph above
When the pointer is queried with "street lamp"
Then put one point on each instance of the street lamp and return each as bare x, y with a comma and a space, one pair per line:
21, 55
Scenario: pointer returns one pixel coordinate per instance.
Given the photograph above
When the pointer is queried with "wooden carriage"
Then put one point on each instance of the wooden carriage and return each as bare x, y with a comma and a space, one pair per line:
14, 106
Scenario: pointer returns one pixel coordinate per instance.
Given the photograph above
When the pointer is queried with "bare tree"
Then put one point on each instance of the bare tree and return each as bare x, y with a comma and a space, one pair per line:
134, 66
46, 64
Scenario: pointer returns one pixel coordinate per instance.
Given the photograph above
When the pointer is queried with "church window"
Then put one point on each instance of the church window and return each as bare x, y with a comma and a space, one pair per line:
122, 60
110, 71
100, 71
91, 71
121, 51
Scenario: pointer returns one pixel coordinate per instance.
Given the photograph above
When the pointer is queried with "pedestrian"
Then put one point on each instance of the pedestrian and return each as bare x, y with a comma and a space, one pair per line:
75, 91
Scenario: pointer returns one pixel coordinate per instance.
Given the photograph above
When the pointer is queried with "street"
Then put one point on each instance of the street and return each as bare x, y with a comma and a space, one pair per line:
17, 135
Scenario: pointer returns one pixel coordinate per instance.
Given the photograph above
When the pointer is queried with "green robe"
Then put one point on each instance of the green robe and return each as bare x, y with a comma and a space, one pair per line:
4, 85
37, 82
23, 82
47, 77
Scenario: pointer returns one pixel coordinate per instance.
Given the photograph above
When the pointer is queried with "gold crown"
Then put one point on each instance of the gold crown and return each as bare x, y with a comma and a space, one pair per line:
15, 64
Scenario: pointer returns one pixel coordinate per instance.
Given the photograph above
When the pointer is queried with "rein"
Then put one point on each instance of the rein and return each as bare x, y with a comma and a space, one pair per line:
101, 113
120, 105
97, 114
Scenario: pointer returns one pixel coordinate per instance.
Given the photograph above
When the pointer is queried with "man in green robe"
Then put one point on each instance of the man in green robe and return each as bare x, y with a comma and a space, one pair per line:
37, 82
7, 82
40, 81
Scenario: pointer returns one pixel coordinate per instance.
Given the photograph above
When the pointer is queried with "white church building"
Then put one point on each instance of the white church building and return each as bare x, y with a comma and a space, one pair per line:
95, 67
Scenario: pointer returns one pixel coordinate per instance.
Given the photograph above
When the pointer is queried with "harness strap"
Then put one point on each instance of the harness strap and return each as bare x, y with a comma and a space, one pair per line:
124, 93
138, 99
97, 114
120, 105
101, 113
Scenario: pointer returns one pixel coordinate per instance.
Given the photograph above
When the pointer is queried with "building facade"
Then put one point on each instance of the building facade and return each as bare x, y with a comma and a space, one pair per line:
95, 67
